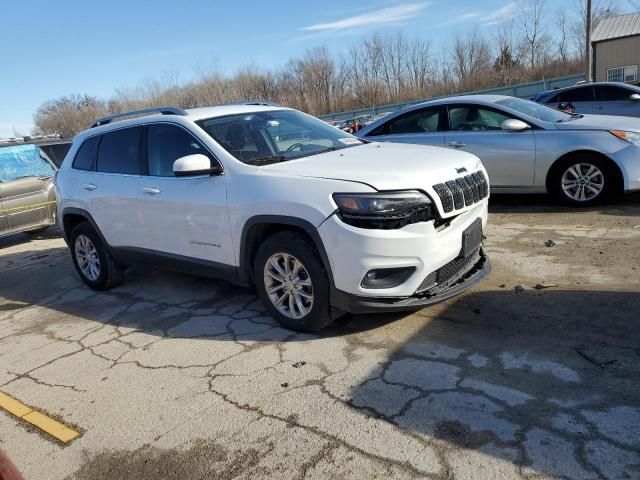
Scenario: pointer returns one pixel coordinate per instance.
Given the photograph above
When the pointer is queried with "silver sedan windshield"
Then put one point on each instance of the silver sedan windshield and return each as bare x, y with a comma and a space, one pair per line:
535, 110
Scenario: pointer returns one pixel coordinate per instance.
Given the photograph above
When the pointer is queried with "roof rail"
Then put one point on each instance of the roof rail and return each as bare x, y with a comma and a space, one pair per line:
147, 111
247, 102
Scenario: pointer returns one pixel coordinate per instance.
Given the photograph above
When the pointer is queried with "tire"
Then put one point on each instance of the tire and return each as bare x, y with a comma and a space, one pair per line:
287, 248
584, 173
109, 272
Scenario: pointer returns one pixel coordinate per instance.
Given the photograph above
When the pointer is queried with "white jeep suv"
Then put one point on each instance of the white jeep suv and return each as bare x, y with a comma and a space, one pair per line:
320, 222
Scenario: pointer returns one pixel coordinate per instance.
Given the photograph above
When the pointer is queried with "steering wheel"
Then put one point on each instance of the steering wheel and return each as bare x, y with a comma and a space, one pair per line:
294, 146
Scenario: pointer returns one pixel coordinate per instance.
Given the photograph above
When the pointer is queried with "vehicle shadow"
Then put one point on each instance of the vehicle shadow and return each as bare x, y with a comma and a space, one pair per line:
628, 204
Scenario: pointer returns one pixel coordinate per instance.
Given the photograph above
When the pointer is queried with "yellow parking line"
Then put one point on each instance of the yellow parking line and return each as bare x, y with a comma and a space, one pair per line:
43, 422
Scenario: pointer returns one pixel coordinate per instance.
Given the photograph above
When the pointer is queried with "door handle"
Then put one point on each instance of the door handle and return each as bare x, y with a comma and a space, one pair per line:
150, 191
89, 186
456, 144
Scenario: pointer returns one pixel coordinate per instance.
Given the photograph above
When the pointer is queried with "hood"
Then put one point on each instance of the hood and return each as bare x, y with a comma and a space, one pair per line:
386, 166
602, 122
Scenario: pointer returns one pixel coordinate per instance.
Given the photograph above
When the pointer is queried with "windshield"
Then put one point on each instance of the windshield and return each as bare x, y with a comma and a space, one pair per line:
535, 110
275, 136
22, 161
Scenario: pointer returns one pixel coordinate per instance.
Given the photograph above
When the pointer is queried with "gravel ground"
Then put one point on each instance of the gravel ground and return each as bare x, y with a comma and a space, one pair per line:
532, 374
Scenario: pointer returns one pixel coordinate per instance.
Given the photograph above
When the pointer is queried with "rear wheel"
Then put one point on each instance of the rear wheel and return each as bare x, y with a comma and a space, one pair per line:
292, 283
583, 180
92, 259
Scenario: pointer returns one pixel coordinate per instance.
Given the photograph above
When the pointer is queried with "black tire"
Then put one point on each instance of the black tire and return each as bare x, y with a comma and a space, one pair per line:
610, 177
110, 271
299, 247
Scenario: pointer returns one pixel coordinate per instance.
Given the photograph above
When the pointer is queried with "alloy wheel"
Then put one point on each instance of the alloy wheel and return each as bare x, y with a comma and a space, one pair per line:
582, 182
288, 285
87, 257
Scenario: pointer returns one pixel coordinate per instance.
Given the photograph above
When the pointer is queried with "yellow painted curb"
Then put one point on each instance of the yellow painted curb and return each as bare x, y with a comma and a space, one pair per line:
37, 419
13, 406
51, 426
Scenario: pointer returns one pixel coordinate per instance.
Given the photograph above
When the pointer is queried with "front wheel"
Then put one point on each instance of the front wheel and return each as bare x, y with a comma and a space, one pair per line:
92, 259
583, 180
292, 282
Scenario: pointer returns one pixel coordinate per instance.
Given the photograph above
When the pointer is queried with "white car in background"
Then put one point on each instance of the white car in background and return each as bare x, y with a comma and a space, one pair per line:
319, 221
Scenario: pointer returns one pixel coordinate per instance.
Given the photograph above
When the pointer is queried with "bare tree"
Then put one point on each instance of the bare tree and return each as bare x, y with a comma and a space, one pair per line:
69, 114
381, 69
600, 9
471, 58
532, 20
563, 35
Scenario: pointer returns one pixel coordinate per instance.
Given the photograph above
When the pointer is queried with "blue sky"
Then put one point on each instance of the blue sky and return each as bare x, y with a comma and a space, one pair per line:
54, 48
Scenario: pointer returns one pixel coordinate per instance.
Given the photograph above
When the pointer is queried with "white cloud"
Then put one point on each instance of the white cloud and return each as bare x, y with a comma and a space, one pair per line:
384, 16
507, 12
459, 19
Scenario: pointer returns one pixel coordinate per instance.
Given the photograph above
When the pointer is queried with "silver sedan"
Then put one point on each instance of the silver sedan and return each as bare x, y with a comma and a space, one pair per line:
526, 147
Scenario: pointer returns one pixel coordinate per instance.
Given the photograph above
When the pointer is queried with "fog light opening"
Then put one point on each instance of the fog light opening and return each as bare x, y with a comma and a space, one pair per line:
386, 277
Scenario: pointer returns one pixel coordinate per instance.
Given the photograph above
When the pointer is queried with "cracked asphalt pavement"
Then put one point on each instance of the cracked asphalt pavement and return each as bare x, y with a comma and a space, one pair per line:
532, 374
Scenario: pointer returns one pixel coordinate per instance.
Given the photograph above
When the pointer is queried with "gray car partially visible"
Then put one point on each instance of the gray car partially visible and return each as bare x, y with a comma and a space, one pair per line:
601, 98
27, 193
526, 147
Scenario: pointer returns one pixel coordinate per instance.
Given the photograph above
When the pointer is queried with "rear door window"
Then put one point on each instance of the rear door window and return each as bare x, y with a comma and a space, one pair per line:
85, 158
607, 93
119, 152
583, 94
426, 120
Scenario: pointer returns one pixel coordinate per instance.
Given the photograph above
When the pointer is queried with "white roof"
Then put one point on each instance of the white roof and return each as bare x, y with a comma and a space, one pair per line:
231, 109
617, 27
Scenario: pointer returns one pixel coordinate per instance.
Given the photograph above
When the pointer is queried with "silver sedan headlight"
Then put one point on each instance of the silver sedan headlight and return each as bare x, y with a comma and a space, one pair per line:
631, 137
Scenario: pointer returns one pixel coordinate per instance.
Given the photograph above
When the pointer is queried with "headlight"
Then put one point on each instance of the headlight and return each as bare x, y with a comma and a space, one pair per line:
386, 210
631, 137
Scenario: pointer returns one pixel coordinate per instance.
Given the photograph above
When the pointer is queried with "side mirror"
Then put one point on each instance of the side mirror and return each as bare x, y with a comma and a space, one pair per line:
515, 125
634, 96
196, 164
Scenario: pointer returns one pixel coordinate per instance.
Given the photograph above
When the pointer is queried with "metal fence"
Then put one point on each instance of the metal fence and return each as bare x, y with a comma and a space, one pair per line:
521, 90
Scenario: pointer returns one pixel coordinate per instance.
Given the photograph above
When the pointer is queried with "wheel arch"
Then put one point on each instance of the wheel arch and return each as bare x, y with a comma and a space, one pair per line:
73, 216
258, 228
619, 178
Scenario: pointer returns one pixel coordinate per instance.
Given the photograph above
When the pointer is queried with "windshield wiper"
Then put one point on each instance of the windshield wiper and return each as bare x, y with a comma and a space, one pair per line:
267, 160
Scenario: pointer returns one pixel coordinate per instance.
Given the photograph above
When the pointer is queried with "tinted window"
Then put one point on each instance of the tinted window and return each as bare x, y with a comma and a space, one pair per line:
474, 118
119, 151
425, 120
584, 94
86, 157
609, 93
166, 144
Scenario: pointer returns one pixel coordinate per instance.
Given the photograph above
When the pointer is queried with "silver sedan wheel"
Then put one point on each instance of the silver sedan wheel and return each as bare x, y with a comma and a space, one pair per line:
582, 182
288, 285
87, 257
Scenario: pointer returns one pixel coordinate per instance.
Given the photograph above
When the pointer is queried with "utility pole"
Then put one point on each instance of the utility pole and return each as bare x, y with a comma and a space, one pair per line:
588, 56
